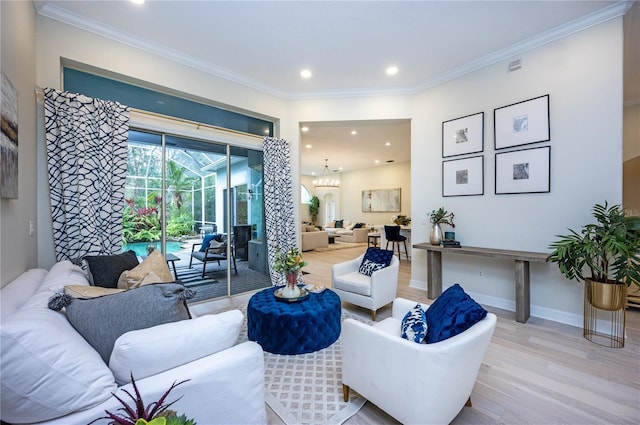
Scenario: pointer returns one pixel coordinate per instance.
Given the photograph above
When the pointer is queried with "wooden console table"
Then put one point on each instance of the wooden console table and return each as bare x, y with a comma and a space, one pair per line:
521, 258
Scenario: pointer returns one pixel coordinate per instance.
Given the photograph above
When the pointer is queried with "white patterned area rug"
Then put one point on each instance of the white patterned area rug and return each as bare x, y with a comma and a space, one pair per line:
307, 388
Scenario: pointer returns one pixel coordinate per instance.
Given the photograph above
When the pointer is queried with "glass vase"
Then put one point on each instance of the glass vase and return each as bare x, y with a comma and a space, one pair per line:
291, 289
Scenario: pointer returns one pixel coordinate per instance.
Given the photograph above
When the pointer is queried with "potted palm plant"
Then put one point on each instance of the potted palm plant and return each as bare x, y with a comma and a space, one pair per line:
609, 249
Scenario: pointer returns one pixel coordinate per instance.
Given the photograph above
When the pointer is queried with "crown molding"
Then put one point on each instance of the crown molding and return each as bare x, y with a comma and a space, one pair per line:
54, 12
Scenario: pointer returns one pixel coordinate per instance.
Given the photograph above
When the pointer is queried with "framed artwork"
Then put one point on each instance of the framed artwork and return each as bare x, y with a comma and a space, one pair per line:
463, 177
463, 135
524, 171
8, 140
381, 200
522, 123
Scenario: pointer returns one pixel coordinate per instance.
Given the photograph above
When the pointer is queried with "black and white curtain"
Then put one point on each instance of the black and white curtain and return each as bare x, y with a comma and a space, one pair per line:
278, 201
87, 162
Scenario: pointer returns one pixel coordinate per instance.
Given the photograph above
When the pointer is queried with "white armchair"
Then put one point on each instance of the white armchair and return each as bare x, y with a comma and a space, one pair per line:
414, 383
370, 292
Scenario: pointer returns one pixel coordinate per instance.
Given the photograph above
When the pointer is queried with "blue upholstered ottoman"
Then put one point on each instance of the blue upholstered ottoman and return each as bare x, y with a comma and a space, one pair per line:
294, 328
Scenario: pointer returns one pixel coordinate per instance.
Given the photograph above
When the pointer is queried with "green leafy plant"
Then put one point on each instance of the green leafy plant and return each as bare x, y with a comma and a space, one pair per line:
314, 207
402, 220
442, 216
610, 248
288, 261
156, 413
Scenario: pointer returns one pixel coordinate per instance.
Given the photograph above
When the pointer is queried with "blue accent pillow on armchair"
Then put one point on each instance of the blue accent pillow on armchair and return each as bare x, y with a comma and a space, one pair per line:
207, 240
414, 325
377, 255
453, 312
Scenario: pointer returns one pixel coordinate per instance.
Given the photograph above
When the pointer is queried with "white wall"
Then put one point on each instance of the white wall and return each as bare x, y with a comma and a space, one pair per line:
388, 176
17, 247
583, 76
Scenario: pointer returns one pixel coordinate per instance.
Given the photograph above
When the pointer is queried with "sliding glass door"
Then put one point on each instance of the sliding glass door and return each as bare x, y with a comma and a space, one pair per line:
182, 192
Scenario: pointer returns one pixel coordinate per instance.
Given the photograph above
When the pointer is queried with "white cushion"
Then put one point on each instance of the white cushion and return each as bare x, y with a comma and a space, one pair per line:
18, 291
48, 370
146, 352
330, 230
353, 282
62, 274
344, 232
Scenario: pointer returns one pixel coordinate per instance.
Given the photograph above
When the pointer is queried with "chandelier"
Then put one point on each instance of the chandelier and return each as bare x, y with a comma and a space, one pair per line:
326, 180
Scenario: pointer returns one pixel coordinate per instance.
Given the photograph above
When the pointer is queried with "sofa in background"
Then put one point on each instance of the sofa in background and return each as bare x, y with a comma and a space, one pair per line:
313, 238
348, 231
51, 374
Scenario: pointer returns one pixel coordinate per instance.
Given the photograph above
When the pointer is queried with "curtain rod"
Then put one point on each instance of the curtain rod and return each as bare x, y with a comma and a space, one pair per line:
197, 125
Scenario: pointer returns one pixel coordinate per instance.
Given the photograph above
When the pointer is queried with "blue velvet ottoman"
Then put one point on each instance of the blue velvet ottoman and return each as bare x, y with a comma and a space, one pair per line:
294, 328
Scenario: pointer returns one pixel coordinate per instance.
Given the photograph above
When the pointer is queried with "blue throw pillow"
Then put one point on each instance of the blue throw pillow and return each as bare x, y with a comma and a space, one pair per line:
367, 267
207, 240
414, 325
378, 255
358, 225
453, 312
339, 224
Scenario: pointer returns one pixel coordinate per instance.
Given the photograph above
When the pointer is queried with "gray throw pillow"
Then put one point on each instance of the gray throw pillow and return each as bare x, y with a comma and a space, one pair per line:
103, 319
105, 270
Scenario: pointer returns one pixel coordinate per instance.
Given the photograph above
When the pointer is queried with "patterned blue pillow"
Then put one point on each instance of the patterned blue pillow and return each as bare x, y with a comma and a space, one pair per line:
339, 224
453, 312
378, 255
414, 325
367, 267
358, 225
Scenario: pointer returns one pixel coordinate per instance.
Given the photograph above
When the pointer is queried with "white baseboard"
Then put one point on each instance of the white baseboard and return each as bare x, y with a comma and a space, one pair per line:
510, 305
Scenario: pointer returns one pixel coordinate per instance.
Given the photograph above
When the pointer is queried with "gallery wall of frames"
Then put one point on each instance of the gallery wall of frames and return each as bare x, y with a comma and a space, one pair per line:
518, 169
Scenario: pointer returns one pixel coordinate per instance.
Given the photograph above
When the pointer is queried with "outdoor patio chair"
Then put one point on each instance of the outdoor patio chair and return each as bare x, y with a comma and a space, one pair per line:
212, 248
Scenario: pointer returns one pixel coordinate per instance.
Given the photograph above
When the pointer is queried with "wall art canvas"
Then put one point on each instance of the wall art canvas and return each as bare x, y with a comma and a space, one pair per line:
381, 200
463, 135
523, 171
522, 123
463, 177
9, 140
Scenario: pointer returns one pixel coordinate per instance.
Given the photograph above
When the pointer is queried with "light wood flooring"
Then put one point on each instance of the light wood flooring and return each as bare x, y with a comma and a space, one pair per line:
540, 372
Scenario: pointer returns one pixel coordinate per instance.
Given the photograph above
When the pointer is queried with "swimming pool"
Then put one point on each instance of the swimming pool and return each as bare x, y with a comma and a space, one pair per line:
140, 248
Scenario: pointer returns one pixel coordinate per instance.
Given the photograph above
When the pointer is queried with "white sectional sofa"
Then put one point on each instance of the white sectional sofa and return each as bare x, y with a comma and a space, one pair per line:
313, 238
347, 232
51, 374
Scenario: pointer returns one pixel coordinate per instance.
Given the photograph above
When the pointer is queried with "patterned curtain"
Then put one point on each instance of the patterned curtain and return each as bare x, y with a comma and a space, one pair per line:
87, 161
278, 201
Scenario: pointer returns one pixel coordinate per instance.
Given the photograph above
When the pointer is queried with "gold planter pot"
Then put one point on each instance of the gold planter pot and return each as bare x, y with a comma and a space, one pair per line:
609, 296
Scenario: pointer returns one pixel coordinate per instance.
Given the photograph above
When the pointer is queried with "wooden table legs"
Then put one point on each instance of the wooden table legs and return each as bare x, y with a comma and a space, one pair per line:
434, 283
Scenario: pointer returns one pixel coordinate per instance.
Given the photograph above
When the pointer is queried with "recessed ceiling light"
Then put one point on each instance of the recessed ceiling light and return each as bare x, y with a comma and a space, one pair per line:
304, 129
137, 1
392, 70
308, 146
388, 144
377, 161
305, 73
354, 132
340, 168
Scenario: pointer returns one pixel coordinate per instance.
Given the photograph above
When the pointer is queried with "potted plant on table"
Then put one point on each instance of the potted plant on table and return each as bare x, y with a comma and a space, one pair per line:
609, 249
289, 263
438, 218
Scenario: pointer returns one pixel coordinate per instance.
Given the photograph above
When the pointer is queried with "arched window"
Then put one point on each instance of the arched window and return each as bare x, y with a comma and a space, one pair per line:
305, 195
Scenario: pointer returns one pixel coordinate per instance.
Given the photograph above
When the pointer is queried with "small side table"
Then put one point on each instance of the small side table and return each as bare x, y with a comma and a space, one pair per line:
171, 259
372, 239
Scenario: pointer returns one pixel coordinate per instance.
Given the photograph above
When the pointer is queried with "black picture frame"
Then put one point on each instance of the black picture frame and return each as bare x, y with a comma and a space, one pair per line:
522, 123
463, 177
523, 171
464, 135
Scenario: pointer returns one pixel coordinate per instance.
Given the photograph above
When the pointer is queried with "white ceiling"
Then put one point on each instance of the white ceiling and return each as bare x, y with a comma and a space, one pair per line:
346, 44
